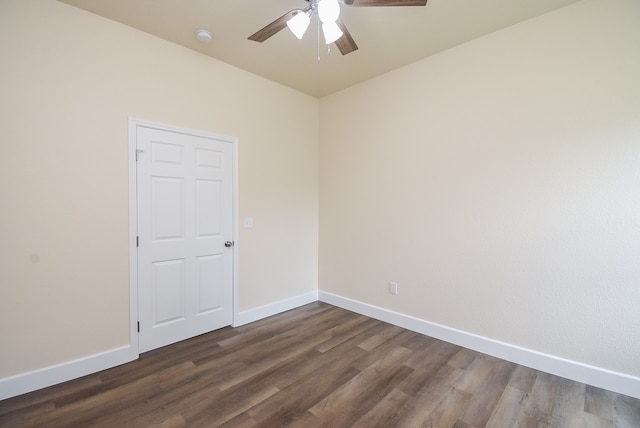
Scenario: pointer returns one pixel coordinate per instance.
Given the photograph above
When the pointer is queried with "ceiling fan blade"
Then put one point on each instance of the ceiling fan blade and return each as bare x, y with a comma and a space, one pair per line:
274, 27
346, 44
378, 3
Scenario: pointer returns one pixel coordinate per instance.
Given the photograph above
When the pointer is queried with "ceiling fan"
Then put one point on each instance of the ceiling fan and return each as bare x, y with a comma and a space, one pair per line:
328, 12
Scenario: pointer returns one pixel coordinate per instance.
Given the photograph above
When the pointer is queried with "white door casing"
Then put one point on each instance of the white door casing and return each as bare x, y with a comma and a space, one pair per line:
185, 201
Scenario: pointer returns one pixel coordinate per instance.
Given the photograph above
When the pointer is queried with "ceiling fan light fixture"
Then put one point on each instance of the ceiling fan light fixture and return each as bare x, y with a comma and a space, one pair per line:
299, 24
331, 32
328, 10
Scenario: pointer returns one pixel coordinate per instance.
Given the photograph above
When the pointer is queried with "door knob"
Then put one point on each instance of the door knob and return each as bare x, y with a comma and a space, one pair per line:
228, 244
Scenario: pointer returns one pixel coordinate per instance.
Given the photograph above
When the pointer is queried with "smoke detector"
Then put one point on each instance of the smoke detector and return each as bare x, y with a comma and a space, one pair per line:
204, 36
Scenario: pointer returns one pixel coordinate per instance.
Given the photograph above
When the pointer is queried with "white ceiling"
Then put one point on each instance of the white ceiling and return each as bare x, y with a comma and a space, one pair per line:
387, 37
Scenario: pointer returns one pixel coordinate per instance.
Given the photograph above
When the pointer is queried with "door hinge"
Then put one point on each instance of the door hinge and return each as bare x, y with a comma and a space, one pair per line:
137, 241
138, 151
138, 326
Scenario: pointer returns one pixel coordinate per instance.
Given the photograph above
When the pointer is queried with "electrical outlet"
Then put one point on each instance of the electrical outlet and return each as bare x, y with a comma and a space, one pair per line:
393, 287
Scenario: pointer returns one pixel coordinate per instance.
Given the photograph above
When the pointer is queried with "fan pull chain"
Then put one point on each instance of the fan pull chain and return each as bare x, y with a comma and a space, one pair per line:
318, 21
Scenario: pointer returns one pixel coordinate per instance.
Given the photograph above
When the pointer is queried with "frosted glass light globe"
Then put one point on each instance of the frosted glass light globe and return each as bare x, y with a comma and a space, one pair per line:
299, 24
331, 32
328, 10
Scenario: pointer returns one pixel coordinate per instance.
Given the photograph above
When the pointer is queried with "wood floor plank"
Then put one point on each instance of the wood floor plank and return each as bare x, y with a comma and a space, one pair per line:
174, 421
386, 332
599, 402
587, 420
569, 407
477, 374
176, 395
223, 407
281, 324
243, 420
483, 400
386, 412
342, 407
545, 396
345, 332
306, 421
426, 362
84, 411
462, 358
294, 401
319, 366
270, 352
462, 424
43, 399
626, 411
508, 409
523, 378
427, 399
450, 406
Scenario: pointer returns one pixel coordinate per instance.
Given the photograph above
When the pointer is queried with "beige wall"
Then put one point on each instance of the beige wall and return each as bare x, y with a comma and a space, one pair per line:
69, 80
499, 184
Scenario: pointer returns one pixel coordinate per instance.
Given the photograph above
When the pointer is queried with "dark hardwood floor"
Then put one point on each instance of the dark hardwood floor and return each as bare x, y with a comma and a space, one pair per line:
319, 366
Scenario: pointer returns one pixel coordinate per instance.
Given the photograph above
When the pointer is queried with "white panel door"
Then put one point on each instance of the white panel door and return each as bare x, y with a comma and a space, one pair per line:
185, 261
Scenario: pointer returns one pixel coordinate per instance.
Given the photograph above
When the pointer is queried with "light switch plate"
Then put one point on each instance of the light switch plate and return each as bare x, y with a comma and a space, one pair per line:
393, 287
248, 222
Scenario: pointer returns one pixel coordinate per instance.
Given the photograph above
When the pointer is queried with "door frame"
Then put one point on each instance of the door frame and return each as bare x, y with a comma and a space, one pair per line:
134, 124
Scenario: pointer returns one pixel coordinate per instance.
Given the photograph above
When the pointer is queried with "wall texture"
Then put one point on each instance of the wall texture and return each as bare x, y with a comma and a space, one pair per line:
66, 92
499, 184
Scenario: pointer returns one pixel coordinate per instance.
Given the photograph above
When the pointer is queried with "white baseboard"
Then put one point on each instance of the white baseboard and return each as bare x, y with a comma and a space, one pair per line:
265, 311
595, 376
42, 378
